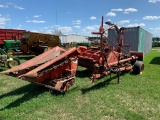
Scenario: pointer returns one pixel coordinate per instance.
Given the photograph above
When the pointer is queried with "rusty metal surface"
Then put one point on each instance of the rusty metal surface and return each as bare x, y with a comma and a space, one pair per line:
107, 59
122, 61
34, 72
57, 74
42, 58
55, 69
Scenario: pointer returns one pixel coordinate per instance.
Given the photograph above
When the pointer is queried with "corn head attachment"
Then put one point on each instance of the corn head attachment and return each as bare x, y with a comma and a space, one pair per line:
55, 69
106, 59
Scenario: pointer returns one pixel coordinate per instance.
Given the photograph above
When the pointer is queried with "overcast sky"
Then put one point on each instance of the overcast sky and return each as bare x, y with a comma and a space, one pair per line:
79, 16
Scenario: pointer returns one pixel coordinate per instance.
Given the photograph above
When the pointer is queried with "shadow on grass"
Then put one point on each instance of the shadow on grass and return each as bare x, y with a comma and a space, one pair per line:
88, 72
100, 85
30, 91
155, 60
84, 73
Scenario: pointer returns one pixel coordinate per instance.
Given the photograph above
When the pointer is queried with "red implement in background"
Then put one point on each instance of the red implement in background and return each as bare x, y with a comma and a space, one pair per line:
10, 34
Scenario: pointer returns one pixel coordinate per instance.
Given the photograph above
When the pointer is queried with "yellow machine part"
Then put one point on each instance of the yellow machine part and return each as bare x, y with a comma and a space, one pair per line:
32, 38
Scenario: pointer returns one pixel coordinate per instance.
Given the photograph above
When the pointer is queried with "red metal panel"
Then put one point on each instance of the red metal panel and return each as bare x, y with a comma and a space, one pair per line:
33, 74
6, 34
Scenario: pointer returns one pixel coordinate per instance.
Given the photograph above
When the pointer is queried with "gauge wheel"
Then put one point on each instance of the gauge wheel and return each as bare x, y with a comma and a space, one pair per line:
138, 67
10, 53
14, 62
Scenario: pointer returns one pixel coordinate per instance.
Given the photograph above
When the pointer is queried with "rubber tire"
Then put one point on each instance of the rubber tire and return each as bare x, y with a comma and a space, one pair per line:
11, 64
10, 53
138, 67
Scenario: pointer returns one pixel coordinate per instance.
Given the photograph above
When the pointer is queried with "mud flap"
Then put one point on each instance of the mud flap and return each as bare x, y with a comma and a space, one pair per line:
140, 55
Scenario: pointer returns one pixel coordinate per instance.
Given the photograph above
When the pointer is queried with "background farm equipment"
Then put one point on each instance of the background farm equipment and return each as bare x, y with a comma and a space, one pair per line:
12, 46
105, 59
5, 59
10, 34
83, 44
55, 69
37, 43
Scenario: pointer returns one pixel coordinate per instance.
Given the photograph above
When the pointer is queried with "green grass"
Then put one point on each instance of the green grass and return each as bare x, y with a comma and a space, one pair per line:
134, 98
